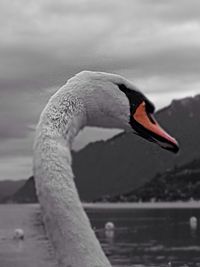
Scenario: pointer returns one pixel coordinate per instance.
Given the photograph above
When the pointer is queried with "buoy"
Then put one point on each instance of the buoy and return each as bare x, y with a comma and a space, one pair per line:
18, 234
109, 226
110, 231
193, 222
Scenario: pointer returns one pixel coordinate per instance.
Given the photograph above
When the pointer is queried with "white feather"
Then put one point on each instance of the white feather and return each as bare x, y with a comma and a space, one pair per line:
89, 98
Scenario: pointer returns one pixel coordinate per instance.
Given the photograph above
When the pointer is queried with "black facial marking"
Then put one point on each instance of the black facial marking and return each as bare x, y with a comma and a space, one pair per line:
135, 99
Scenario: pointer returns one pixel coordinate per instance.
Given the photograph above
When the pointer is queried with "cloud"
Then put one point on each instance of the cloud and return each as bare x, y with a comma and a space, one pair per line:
43, 42
19, 111
155, 44
15, 168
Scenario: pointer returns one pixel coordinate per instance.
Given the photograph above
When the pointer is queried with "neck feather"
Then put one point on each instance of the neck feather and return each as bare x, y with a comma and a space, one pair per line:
66, 222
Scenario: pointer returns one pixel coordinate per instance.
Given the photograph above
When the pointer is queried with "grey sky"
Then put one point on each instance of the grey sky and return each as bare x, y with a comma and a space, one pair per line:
154, 43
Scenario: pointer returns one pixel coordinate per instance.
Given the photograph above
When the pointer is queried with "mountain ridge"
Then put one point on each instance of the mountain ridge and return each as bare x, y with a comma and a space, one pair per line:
120, 158
127, 161
182, 183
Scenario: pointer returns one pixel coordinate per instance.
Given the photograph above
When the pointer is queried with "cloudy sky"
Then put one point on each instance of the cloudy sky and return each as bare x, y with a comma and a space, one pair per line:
154, 43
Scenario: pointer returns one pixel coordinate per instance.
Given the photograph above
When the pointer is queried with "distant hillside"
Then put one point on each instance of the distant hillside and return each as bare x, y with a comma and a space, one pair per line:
181, 183
127, 161
9, 187
25, 194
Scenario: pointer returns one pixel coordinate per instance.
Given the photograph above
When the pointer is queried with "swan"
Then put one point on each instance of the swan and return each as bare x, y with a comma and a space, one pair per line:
93, 99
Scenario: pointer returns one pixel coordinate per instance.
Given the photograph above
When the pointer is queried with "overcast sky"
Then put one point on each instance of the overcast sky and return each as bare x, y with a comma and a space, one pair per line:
154, 43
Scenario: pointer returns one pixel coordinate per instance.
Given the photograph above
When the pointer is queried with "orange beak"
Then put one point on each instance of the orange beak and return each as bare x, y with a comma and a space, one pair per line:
153, 130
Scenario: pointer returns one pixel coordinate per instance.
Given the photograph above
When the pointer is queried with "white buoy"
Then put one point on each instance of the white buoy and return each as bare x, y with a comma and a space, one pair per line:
109, 226
109, 231
19, 234
193, 222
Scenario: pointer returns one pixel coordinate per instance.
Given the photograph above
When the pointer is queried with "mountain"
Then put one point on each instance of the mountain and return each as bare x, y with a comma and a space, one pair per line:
180, 183
25, 194
127, 161
9, 187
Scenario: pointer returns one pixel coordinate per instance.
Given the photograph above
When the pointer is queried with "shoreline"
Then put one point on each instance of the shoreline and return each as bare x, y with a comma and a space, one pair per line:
144, 205
128, 205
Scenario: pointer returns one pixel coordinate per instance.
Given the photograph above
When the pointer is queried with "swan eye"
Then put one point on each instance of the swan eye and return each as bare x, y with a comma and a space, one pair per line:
135, 99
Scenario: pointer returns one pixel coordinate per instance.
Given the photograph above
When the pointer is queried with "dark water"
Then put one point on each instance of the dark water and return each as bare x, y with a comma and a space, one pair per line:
149, 237
142, 237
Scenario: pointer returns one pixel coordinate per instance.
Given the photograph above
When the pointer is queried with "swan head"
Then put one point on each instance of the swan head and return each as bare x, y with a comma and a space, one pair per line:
116, 103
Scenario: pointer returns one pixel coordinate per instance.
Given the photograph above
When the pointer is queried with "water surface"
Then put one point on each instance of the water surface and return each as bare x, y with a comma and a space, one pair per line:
142, 237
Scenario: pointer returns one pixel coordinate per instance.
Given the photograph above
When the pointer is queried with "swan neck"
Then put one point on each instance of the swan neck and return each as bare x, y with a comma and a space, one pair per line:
64, 116
67, 224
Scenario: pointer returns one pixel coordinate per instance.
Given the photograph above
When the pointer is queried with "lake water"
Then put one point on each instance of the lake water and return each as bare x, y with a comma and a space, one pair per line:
142, 237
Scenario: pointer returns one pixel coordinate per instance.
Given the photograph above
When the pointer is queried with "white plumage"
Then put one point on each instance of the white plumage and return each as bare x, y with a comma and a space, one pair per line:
89, 98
